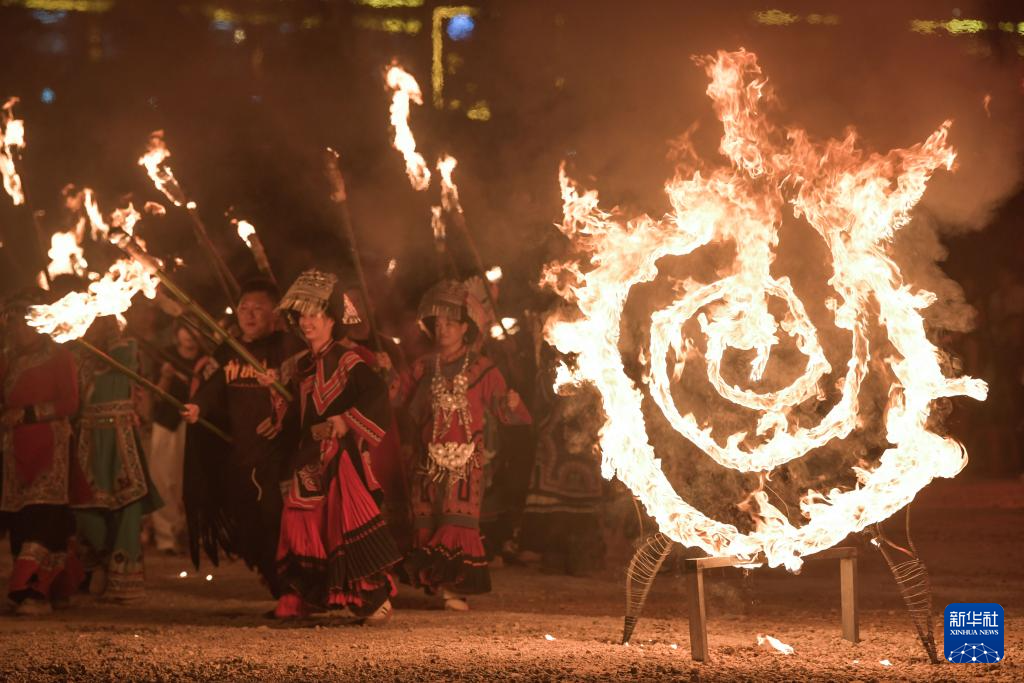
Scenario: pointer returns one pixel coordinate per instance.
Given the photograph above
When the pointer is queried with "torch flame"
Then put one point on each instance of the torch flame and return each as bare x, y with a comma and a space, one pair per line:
12, 142
405, 89
66, 255
856, 202
99, 226
71, 316
155, 163
449, 190
494, 274
246, 230
437, 223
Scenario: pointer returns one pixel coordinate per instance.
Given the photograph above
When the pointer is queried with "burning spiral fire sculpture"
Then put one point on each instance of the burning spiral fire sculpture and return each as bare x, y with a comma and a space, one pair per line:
856, 202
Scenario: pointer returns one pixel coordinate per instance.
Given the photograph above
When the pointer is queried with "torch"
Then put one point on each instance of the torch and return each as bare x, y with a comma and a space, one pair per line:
453, 207
153, 266
247, 232
339, 197
154, 161
128, 372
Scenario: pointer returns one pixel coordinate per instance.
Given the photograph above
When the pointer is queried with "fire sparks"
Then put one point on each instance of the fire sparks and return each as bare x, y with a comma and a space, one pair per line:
778, 645
71, 316
155, 163
405, 90
12, 142
856, 202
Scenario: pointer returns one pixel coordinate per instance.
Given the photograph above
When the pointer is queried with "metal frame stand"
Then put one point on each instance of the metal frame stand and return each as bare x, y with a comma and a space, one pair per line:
694, 569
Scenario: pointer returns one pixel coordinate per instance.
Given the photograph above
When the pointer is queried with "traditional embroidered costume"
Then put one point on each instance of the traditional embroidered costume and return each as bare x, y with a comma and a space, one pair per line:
119, 492
42, 381
451, 403
562, 520
335, 547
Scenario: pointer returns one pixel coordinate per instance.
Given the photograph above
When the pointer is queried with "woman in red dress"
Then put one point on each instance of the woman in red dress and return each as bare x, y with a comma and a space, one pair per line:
335, 548
457, 391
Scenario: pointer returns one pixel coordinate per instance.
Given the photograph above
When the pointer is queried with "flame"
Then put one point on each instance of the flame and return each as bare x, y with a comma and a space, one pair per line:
494, 274
71, 316
155, 163
405, 89
856, 202
12, 142
391, 267
775, 643
449, 190
246, 231
125, 219
66, 255
507, 327
99, 227
437, 223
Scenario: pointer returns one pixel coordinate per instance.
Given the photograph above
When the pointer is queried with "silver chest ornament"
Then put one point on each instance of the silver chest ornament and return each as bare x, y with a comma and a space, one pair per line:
450, 460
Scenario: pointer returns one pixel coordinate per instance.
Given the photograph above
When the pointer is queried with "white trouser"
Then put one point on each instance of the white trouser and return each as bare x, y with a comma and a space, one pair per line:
166, 467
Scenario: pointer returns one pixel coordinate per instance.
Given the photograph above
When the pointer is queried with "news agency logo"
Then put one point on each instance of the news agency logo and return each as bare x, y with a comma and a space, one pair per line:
974, 633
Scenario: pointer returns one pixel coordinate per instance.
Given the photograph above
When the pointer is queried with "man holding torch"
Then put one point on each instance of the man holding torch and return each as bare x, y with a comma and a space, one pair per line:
233, 496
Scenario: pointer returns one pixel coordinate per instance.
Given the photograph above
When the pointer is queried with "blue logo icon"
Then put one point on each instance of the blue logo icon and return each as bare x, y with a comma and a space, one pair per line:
974, 633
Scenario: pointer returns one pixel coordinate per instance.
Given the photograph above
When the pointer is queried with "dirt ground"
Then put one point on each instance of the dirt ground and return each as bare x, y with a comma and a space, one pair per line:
191, 628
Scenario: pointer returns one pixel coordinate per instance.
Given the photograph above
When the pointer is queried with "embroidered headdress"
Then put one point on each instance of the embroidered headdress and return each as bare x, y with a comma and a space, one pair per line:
317, 292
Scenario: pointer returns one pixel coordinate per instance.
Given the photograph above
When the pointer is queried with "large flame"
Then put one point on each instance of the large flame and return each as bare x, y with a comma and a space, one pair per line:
12, 142
71, 316
405, 89
856, 202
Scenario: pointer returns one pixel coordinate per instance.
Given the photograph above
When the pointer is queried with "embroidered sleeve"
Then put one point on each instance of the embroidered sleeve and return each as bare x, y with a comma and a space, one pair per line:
369, 412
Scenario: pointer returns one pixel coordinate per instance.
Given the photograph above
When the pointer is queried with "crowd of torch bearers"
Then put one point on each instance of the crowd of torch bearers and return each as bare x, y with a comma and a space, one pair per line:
68, 319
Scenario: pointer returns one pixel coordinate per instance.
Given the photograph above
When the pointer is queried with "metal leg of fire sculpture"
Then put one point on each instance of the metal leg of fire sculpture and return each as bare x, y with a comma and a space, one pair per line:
649, 557
640, 576
915, 587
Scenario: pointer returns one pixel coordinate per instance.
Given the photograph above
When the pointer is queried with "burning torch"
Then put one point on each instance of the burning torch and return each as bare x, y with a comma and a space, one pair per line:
247, 232
155, 163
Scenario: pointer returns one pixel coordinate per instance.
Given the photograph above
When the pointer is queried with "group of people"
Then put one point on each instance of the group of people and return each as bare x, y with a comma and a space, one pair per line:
333, 468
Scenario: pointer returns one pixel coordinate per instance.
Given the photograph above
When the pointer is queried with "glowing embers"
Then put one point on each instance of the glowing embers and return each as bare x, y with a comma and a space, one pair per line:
855, 201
